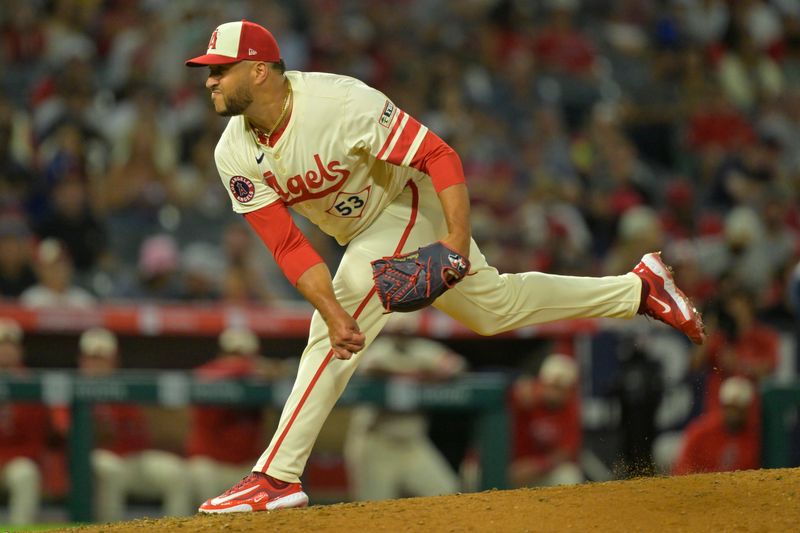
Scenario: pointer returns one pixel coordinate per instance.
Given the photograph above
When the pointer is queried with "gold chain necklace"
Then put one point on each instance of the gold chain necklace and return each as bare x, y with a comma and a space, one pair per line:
280, 117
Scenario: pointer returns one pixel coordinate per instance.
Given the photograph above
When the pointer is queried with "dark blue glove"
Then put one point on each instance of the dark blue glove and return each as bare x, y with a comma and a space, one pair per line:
412, 281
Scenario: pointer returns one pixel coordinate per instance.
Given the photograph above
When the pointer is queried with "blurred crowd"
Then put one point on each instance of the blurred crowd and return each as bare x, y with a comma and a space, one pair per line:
590, 130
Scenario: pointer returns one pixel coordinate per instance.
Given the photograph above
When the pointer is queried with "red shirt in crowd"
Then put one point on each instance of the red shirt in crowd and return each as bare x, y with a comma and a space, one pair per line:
23, 430
565, 49
230, 435
719, 128
710, 447
539, 431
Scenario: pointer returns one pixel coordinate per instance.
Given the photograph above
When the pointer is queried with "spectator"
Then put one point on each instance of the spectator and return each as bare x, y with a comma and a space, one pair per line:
650, 118
546, 426
387, 451
72, 221
678, 214
782, 239
779, 124
63, 123
16, 270
715, 126
706, 20
561, 45
639, 230
740, 253
747, 75
237, 290
65, 34
55, 288
202, 269
214, 464
15, 175
747, 176
738, 345
698, 285
203, 214
723, 440
790, 63
63, 157
157, 271
135, 190
123, 460
23, 35
619, 179
567, 53
761, 20
258, 277
23, 432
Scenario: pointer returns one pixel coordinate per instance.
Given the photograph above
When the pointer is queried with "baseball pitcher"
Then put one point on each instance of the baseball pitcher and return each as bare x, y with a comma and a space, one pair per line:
346, 157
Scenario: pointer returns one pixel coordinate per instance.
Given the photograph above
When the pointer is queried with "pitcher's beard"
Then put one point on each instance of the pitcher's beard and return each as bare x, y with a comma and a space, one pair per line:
237, 103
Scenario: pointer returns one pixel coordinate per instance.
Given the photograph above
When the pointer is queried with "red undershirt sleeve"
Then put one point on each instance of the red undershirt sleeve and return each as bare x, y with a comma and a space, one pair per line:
292, 251
435, 158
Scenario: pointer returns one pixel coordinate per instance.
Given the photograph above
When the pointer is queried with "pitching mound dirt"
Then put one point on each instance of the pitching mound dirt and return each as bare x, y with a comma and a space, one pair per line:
759, 500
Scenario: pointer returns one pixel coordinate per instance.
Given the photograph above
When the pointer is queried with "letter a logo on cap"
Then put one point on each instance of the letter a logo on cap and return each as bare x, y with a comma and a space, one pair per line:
237, 41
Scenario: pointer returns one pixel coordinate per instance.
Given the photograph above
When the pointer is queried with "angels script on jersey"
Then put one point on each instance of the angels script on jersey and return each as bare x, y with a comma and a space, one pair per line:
311, 184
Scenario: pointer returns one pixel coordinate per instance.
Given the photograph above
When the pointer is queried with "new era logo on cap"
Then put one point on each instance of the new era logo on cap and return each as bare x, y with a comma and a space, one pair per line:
235, 41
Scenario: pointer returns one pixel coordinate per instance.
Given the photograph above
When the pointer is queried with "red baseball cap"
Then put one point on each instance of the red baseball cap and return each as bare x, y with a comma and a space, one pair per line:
238, 41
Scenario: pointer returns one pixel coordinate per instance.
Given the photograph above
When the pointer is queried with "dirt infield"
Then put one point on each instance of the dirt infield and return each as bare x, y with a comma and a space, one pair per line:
760, 500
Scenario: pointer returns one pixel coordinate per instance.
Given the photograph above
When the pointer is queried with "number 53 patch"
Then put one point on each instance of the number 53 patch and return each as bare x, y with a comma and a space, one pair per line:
350, 204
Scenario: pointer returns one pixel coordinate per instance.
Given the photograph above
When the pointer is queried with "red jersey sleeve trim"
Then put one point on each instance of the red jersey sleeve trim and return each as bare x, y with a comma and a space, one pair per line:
404, 141
435, 158
399, 124
292, 251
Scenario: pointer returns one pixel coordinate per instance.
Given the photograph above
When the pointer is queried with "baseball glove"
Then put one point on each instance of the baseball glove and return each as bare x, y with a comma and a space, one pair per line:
408, 282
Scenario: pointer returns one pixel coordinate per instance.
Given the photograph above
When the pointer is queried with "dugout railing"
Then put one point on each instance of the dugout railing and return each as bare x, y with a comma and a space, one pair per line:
780, 419
479, 395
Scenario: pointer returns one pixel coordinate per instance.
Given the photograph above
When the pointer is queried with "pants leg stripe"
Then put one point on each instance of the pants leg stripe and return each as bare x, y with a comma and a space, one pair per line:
411, 221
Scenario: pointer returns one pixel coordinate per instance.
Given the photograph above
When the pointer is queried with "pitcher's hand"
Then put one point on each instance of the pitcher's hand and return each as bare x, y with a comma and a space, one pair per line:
346, 337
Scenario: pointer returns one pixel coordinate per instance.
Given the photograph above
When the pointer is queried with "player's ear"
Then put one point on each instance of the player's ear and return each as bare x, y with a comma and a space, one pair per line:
260, 72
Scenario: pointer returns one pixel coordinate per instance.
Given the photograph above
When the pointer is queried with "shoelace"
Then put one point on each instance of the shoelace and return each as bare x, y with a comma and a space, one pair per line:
245, 480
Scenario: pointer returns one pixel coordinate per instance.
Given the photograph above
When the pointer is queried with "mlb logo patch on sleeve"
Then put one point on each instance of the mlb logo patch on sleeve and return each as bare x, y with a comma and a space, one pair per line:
386, 116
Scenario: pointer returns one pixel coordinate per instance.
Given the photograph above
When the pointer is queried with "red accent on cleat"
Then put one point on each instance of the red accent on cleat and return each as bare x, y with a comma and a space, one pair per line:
665, 301
257, 492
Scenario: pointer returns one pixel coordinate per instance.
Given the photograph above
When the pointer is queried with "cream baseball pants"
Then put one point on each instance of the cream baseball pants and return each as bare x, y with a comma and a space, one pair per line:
485, 301
21, 479
150, 473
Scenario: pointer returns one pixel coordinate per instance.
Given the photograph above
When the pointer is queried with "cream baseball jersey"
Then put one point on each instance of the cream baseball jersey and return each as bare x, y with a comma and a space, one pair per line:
343, 156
